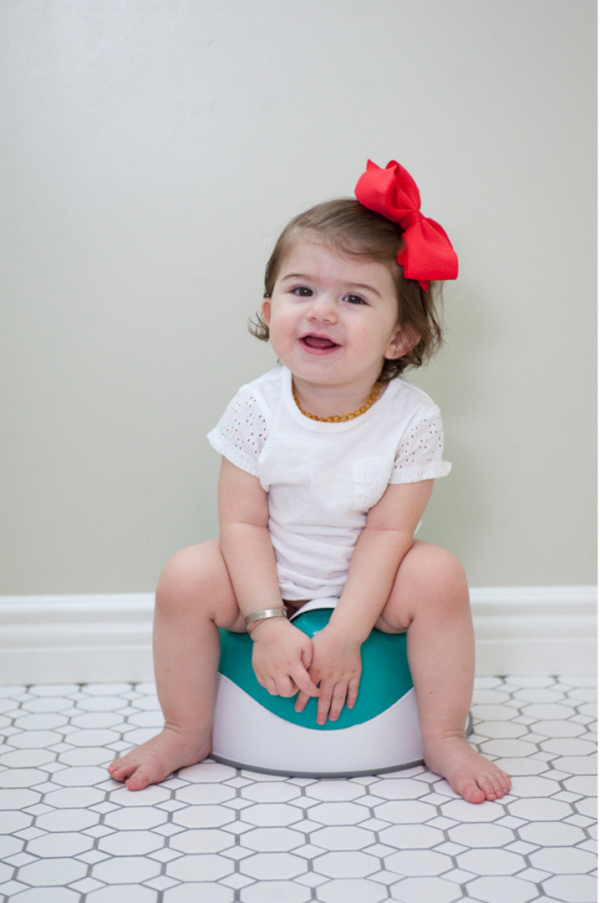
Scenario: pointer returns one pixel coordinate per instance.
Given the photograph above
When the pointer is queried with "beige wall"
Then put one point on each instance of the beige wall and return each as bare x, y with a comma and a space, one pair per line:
150, 151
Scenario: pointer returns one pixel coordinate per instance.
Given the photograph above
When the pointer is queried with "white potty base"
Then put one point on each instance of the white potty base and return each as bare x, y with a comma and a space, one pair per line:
247, 735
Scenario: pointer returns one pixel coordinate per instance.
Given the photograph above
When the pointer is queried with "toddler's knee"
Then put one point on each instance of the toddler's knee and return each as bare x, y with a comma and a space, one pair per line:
444, 576
182, 579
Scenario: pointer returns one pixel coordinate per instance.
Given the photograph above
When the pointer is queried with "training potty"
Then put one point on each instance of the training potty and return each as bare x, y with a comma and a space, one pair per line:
260, 732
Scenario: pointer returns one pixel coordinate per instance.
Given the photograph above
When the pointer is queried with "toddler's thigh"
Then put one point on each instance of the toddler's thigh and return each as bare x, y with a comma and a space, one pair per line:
428, 576
196, 580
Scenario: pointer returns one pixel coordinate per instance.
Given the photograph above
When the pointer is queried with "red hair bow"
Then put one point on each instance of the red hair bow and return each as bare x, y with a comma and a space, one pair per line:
427, 253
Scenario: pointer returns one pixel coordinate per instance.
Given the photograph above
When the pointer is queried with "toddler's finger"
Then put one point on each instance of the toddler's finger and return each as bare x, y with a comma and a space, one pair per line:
301, 701
304, 682
337, 701
352, 692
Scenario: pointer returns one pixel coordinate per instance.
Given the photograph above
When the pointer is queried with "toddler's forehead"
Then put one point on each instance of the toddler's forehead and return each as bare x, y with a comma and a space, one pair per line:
320, 251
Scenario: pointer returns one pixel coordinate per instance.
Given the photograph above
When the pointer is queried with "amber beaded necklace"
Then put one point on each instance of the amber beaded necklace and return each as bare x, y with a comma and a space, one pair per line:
340, 418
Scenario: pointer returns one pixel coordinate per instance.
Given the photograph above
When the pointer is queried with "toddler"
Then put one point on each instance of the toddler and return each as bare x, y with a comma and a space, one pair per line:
328, 464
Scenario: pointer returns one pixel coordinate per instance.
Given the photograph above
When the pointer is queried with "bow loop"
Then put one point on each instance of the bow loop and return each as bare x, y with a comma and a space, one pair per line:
427, 253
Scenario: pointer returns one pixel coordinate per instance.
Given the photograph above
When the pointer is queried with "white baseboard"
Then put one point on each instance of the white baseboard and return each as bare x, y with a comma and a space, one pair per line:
107, 638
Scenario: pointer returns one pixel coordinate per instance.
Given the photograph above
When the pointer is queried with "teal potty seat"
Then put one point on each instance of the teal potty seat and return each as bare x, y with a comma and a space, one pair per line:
259, 732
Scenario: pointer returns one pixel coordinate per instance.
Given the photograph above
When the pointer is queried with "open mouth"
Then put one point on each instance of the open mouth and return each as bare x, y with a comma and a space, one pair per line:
319, 343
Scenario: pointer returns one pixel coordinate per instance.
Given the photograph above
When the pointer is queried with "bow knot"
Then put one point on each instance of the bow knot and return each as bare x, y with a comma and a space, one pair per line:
427, 253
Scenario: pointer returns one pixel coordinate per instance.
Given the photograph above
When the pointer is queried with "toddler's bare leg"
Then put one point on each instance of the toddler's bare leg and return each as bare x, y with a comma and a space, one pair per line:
430, 600
194, 597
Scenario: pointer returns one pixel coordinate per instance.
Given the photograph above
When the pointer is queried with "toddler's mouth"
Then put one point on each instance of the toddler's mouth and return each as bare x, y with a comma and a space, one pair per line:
321, 343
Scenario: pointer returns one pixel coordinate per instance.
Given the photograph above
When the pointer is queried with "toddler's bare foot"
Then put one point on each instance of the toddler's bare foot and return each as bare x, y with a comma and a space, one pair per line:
156, 759
468, 773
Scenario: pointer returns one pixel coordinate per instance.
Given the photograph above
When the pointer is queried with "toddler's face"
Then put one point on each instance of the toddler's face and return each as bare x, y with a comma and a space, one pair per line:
334, 319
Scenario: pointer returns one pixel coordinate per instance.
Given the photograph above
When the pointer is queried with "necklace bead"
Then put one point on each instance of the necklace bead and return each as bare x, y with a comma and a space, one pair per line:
340, 418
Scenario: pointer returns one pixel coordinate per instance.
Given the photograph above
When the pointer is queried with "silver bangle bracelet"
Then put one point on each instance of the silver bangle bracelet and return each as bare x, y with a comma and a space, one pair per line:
269, 613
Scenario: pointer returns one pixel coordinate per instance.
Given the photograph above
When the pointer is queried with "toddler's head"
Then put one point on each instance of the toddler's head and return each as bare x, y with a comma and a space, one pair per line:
384, 225
350, 229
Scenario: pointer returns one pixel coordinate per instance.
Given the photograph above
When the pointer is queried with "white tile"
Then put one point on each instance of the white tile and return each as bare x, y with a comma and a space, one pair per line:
532, 785
200, 867
86, 756
22, 777
161, 883
587, 785
271, 815
27, 758
539, 809
502, 730
564, 860
572, 888
199, 893
40, 895
411, 837
349, 890
508, 748
551, 833
338, 791
200, 794
52, 872
19, 798
576, 764
126, 870
207, 772
310, 879
343, 837
275, 892
35, 739
418, 863
398, 789
135, 818
131, 843
481, 835
118, 893
67, 820
569, 746
491, 862
273, 839
12, 821
93, 737
271, 792
491, 713
53, 690
264, 866
502, 890
419, 890
203, 816
66, 843
238, 852
207, 840
405, 811
462, 811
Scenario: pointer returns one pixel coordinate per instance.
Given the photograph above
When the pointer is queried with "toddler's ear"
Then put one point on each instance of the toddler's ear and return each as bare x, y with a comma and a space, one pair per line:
405, 338
265, 309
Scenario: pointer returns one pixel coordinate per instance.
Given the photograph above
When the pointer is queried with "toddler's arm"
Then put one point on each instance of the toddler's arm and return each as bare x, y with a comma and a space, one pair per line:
282, 653
386, 538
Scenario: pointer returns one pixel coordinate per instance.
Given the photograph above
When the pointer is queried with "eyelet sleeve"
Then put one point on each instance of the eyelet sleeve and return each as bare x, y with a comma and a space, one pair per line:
420, 453
241, 432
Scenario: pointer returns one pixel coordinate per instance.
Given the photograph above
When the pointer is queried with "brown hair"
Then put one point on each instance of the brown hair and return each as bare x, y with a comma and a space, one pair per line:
353, 230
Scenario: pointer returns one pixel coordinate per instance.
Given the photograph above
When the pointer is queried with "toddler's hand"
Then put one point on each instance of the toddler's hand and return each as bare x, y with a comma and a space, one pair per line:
281, 657
335, 668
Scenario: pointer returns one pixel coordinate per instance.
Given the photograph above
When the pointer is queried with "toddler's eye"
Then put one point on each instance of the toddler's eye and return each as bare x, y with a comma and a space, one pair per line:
302, 291
354, 299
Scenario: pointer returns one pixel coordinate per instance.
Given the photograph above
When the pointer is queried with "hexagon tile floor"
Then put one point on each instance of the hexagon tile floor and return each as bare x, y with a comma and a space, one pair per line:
212, 834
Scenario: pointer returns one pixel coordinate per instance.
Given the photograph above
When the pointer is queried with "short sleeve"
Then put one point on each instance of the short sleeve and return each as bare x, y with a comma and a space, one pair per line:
241, 432
420, 453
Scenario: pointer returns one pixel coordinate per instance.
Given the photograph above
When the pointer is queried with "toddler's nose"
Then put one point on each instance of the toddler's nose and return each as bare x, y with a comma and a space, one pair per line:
322, 309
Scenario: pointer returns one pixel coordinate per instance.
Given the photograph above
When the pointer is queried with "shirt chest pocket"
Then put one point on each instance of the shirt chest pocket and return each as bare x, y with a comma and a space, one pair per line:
370, 477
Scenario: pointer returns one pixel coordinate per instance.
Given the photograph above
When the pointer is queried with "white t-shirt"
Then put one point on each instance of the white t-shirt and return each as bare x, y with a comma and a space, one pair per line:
322, 478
